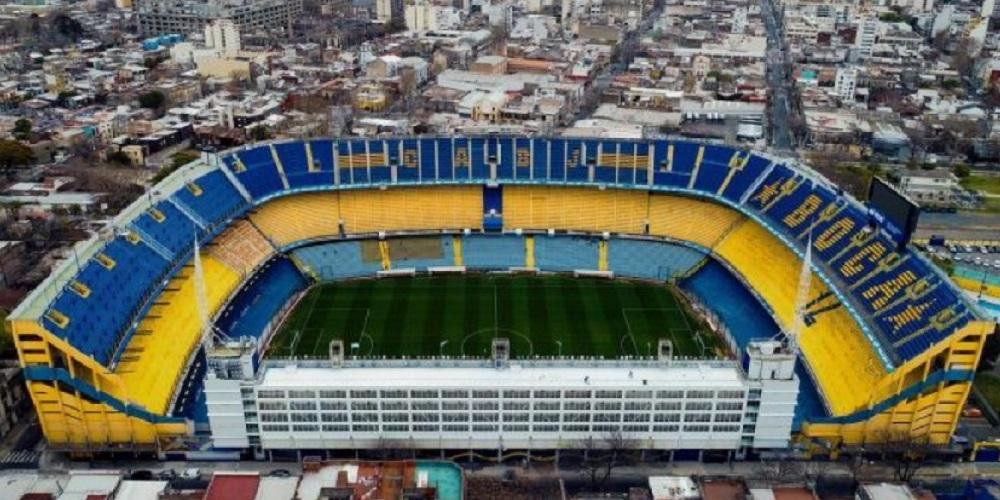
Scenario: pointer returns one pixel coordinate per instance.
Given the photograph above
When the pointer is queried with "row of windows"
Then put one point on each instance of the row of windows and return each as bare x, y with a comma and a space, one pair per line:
497, 428
496, 417
494, 405
496, 394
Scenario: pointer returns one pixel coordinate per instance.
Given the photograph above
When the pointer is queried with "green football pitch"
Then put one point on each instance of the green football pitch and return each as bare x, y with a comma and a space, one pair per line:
459, 315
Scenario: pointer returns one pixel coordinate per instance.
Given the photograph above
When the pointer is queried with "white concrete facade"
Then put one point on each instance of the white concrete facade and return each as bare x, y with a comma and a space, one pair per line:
534, 404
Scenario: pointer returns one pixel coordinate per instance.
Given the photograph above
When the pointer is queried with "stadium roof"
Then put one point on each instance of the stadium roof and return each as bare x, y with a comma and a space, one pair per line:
517, 376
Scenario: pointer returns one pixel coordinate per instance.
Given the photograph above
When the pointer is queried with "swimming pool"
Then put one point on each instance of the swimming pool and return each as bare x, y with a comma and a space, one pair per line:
445, 476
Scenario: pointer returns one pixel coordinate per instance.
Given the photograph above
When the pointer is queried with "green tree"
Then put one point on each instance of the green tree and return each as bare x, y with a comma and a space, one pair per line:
119, 157
22, 129
13, 154
961, 170
260, 133
153, 99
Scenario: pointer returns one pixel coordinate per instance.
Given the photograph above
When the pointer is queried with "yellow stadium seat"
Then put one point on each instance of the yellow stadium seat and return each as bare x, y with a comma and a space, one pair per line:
691, 220
241, 247
156, 356
580, 209
401, 209
839, 356
298, 217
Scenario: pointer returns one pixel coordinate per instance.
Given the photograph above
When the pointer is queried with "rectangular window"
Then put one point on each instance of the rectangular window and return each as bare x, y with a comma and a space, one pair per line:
515, 428
636, 417
395, 417
547, 394
368, 393
515, 417
700, 394
455, 417
665, 428
301, 394
546, 417
547, 405
303, 405
273, 417
485, 405
395, 428
333, 405
305, 428
485, 417
274, 428
725, 428
424, 394
635, 428
273, 405
454, 394
484, 428
394, 405
608, 406
455, 406
608, 394
666, 417
546, 428
270, 394
365, 417
364, 428
576, 417
728, 417
698, 417
695, 428
305, 417
364, 405
425, 405
577, 395
517, 394
336, 428
576, 428
639, 394
607, 417
426, 417
729, 406
576, 405
426, 428
671, 406
693, 406
334, 417
485, 394
670, 394
394, 394
730, 395
455, 428
516, 405
332, 394
638, 406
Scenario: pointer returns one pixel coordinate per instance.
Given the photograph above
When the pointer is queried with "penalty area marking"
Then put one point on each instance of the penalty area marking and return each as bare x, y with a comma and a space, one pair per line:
493, 331
361, 336
631, 336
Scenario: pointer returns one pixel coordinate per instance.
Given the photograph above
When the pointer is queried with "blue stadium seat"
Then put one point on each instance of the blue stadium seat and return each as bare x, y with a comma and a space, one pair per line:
261, 176
295, 163
212, 197
745, 177
338, 260
99, 321
685, 154
566, 253
260, 299
492, 252
650, 259
169, 227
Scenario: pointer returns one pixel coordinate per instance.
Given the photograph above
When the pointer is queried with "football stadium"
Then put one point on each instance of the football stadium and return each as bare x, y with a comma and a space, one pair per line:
490, 293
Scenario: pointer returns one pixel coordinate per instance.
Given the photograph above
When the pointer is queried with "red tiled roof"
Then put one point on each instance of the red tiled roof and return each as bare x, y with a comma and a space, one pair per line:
233, 486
